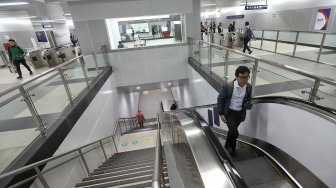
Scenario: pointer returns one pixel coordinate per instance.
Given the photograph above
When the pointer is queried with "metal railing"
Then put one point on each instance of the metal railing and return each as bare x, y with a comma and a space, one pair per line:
158, 178
295, 39
255, 62
38, 86
127, 123
80, 154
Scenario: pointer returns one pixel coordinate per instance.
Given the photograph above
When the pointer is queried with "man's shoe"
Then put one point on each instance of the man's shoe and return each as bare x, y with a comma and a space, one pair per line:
31, 73
19, 77
244, 52
250, 52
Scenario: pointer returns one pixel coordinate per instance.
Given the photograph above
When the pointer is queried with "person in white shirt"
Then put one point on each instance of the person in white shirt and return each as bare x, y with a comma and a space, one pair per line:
232, 103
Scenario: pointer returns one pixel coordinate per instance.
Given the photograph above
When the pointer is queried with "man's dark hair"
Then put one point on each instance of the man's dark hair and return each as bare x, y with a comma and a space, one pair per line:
247, 23
242, 70
11, 40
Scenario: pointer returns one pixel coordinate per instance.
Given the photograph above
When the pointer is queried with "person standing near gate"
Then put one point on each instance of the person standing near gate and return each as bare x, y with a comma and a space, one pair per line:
232, 103
16, 56
248, 34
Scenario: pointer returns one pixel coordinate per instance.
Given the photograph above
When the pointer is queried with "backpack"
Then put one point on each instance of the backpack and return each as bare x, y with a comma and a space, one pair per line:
248, 33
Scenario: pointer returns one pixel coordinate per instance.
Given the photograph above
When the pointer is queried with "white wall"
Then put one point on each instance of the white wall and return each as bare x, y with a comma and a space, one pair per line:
95, 10
96, 122
128, 104
61, 32
113, 32
19, 29
198, 92
142, 66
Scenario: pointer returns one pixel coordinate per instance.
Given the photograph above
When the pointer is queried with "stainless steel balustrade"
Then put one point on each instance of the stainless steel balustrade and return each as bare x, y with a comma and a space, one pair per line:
313, 94
81, 155
31, 109
322, 43
158, 178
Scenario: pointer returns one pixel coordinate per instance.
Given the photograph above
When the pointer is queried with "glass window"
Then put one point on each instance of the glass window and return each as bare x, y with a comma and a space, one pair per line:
142, 31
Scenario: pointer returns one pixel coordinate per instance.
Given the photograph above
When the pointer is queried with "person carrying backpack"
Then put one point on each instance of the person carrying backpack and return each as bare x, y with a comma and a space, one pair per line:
232, 103
247, 37
16, 57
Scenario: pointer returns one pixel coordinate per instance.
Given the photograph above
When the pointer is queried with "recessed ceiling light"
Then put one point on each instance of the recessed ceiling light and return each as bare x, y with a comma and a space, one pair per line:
138, 88
13, 4
169, 83
206, 5
67, 14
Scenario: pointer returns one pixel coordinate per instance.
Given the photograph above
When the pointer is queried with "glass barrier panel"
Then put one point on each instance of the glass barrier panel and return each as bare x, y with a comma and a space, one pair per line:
269, 40
100, 61
269, 83
75, 77
49, 98
286, 42
256, 43
196, 48
91, 67
17, 128
204, 60
328, 54
217, 57
308, 45
217, 38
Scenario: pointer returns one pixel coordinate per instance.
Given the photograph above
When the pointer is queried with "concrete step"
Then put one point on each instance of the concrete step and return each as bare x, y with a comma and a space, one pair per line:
121, 182
125, 166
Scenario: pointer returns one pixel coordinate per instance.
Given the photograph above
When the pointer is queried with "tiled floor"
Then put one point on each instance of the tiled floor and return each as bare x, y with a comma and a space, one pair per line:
137, 141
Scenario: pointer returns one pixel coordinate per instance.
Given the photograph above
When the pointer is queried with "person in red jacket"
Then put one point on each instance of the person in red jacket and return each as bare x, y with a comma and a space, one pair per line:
141, 118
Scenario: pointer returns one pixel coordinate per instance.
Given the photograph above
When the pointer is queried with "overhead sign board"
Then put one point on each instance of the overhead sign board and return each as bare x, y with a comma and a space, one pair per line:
255, 7
235, 17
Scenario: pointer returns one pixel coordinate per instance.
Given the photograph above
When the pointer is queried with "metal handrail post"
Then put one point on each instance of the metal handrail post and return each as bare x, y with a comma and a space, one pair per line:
102, 147
209, 57
200, 50
82, 63
105, 56
36, 118
119, 127
94, 56
84, 162
296, 41
133, 122
276, 42
321, 47
115, 145
262, 39
41, 178
226, 64
254, 76
157, 173
66, 86
314, 91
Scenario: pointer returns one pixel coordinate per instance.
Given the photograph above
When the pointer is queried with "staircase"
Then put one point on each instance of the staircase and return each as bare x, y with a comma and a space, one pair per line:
133, 169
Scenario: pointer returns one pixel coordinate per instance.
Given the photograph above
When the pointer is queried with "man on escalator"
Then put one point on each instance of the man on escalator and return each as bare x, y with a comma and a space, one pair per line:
232, 103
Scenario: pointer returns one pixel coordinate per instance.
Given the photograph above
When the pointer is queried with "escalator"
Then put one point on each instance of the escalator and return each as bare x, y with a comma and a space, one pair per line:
256, 168
255, 164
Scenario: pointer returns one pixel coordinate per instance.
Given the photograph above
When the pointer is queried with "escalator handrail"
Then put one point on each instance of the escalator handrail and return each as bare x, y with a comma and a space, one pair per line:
233, 175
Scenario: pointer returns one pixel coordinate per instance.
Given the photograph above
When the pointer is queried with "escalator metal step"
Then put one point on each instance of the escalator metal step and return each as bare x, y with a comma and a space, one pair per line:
282, 183
256, 171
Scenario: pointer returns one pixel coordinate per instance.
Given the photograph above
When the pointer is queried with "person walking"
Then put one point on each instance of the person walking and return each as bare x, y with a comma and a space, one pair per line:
232, 103
248, 34
16, 56
141, 118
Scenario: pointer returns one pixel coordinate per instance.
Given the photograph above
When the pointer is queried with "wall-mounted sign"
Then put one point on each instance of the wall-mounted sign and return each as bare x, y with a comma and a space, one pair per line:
235, 17
255, 7
322, 19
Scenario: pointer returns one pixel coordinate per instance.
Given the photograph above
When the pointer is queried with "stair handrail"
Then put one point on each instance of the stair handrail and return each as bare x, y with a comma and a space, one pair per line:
158, 177
35, 166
